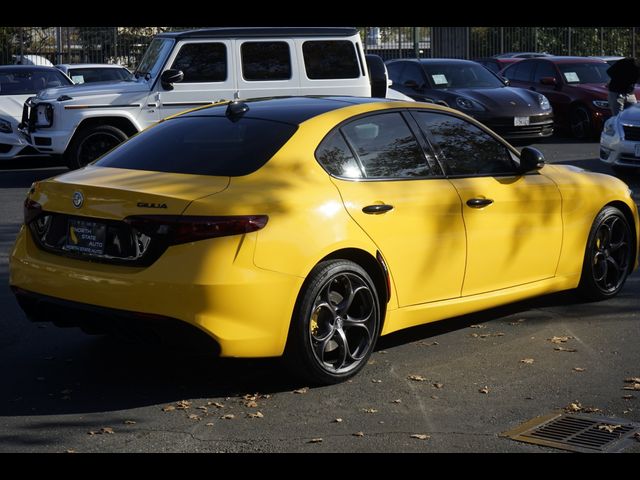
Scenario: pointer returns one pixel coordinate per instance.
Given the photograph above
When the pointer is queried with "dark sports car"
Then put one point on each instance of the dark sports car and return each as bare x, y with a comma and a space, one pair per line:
514, 113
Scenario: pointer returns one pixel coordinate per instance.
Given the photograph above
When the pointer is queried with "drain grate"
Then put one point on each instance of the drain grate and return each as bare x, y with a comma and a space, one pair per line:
577, 432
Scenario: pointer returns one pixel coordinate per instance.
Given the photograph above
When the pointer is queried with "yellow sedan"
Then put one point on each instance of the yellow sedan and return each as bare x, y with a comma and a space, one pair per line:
308, 227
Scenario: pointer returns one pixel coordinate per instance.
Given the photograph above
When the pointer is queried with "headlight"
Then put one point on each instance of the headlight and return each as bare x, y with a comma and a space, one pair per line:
544, 102
44, 115
468, 104
609, 128
601, 103
5, 127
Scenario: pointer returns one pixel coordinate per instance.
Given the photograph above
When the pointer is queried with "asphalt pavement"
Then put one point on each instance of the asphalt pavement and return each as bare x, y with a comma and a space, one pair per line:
452, 386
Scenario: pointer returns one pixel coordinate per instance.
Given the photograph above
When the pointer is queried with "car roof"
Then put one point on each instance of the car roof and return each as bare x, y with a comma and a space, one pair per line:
44, 68
566, 59
88, 65
249, 32
426, 61
292, 110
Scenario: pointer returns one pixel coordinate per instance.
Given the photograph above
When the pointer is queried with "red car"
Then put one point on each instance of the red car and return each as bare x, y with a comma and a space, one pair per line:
575, 86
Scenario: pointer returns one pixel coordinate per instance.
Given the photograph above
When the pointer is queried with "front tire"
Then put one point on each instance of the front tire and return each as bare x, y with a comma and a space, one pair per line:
92, 142
335, 324
608, 257
580, 123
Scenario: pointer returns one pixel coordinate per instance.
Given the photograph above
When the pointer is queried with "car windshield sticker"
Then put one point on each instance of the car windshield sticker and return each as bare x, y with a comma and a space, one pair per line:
572, 77
77, 78
439, 79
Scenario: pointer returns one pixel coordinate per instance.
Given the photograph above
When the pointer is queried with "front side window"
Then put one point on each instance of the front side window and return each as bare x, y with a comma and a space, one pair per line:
544, 70
386, 147
154, 57
266, 61
326, 59
412, 73
202, 62
465, 149
520, 72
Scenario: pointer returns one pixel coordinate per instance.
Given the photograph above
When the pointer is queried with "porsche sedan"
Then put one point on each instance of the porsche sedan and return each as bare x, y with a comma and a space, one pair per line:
514, 113
308, 227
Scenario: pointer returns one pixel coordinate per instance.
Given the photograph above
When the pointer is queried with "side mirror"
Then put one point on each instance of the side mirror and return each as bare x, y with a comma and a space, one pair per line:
530, 159
549, 81
505, 80
169, 77
378, 75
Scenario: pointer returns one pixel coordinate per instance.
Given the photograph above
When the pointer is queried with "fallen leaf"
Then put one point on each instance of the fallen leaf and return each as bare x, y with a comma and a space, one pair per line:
632, 380
474, 335
301, 391
637, 436
591, 410
428, 344
70, 450
210, 424
129, 422
376, 381
528, 361
250, 396
382, 352
499, 334
628, 397
609, 428
477, 326
421, 436
315, 440
578, 369
628, 411
203, 408
635, 386
559, 339
183, 404
251, 404
337, 420
108, 430
417, 378
562, 349
193, 416
397, 400
358, 434
255, 415
573, 407
216, 404
369, 410
520, 321
435, 397
168, 408
228, 416
438, 385
484, 390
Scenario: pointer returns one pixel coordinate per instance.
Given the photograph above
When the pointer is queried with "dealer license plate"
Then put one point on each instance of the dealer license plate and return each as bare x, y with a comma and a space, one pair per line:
86, 237
520, 121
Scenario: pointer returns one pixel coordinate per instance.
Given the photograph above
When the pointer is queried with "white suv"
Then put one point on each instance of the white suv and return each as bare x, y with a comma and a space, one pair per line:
182, 70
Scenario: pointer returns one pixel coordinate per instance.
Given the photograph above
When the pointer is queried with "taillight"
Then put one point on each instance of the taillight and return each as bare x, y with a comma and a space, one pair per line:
32, 210
182, 229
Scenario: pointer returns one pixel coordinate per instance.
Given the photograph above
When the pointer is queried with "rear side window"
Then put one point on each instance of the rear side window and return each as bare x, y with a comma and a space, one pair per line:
326, 59
202, 146
336, 157
202, 62
266, 61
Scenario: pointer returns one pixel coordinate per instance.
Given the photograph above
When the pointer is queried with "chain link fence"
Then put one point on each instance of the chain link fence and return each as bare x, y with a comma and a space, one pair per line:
125, 45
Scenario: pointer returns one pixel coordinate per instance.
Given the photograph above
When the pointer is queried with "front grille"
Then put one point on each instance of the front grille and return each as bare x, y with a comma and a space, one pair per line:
123, 245
631, 132
5, 147
524, 131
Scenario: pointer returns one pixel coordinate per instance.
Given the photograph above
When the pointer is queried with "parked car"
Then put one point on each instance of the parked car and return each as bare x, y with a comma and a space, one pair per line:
575, 86
95, 72
31, 60
497, 64
17, 83
182, 70
514, 113
522, 55
620, 140
255, 223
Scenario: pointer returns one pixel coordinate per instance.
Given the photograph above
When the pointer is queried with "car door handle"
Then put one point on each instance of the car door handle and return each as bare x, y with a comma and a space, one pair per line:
479, 202
377, 209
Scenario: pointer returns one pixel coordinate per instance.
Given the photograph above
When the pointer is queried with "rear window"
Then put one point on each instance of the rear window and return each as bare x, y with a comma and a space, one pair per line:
202, 146
326, 59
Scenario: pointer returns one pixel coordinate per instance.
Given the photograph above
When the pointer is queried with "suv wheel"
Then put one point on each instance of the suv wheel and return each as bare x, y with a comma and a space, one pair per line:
92, 142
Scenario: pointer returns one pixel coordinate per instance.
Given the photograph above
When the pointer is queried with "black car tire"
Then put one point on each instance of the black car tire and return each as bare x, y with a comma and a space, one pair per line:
335, 323
608, 257
92, 142
580, 122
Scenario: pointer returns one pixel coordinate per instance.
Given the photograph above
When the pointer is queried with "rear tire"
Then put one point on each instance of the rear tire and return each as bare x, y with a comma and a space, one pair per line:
608, 257
92, 142
335, 324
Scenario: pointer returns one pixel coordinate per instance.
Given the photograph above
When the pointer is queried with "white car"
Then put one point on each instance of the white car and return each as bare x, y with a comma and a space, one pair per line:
620, 140
17, 83
95, 72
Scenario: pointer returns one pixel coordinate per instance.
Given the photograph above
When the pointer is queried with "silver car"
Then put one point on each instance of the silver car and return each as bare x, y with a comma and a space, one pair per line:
620, 140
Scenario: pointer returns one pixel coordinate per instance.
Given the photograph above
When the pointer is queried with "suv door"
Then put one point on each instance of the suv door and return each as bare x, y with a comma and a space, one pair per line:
399, 197
513, 222
208, 76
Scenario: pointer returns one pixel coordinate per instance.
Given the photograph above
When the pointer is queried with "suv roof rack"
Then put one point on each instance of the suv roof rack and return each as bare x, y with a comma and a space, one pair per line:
248, 32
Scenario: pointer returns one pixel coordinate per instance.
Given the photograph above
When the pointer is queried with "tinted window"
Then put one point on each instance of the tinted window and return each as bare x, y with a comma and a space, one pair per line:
25, 81
330, 59
202, 62
412, 73
386, 147
520, 72
89, 75
394, 69
460, 75
466, 149
576, 73
544, 69
491, 65
154, 56
336, 157
202, 146
266, 61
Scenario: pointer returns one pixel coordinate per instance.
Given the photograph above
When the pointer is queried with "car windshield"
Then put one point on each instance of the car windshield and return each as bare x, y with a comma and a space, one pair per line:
98, 74
154, 57
579, 73
460, 75
29, 82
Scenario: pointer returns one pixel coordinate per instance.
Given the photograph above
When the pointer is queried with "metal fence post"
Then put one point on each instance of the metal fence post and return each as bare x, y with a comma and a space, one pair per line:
416, 50
58, 54
501, 39
633, 42
569, 42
